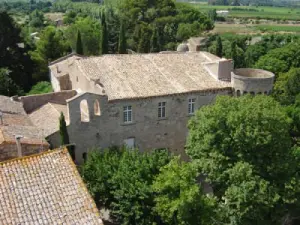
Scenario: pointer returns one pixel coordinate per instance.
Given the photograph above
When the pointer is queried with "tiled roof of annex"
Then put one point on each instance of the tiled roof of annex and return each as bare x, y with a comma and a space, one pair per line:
148, 75
44, 189
47, 117
15, 121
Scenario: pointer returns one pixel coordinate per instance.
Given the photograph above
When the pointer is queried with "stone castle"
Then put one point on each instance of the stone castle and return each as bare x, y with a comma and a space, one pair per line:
138, 100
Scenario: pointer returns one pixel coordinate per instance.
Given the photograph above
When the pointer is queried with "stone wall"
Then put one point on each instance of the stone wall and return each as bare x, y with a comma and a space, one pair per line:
9, 150
252, 81
148, 131
32, 102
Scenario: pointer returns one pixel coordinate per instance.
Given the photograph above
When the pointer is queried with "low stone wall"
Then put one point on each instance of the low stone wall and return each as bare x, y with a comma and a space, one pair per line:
9, 150
32, 102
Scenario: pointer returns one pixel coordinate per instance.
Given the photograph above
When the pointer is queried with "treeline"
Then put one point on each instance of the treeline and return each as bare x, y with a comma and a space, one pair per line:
139, 26
248, 54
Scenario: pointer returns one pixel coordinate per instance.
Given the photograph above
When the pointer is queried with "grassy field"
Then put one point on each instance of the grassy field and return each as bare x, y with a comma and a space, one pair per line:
261, 12
255, 29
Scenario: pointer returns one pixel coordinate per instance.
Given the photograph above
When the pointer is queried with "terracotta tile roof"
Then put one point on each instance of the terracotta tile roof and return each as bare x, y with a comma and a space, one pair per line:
31, 134
147, 75
44, 189
16, 122
47, 117
7, 105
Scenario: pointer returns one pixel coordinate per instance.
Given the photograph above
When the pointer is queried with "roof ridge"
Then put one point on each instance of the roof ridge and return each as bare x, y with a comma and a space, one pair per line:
54, 108
55, 151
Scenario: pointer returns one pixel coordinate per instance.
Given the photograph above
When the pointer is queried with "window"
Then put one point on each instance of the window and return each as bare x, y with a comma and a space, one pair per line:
129, 143
161, 110
191, 108
97, 108
127, 112
84, 111
238, 93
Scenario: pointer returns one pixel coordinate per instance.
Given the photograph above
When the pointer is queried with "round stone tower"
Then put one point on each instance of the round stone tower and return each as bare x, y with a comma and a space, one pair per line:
252, 81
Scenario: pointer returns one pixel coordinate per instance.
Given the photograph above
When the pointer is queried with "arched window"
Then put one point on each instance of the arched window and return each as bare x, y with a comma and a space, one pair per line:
259, 93
265, 92
238, 93
84, 111
252, 93
97, 108
245, 92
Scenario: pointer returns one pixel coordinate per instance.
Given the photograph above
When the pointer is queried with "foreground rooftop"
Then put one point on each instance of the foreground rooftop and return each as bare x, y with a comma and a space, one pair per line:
44, 189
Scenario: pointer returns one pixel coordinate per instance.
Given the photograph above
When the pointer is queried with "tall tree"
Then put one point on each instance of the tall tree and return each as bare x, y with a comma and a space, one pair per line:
244, 147
64, 136
234, 53
219, 47
13, 57
104, 35
154, 42
79, 48
178, 196
122, 40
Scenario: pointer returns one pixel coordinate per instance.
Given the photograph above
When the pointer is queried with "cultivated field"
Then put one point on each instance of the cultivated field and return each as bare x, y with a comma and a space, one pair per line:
260, 12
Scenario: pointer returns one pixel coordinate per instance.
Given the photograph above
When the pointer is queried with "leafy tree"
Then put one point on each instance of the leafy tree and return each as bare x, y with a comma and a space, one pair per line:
104, 36
144, 38
64, 136
219, 49
122, 181
52, 45
178, 196
249, 134
79, 49
155, 39
90, 32
36, 19
12, 56
40, 88
122, 40
8, 86
234, 54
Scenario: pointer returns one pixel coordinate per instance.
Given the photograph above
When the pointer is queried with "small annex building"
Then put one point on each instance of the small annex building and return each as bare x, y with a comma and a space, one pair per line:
14, 122
45, 188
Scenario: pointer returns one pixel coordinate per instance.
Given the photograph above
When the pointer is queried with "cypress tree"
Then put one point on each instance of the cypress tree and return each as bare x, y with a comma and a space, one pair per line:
122, 40
64, 136
104, 36
219, 47
234, 53
79, 49
154, 43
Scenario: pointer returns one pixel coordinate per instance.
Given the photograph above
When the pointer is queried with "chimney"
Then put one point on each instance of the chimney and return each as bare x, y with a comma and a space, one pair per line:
225, 69
18, 142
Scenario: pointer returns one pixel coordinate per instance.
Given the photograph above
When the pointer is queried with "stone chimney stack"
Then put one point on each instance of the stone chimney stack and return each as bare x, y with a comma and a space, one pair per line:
225, 69
18, 142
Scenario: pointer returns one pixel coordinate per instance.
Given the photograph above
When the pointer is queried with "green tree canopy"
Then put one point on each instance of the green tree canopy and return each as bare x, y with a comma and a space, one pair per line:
219, 47
13, 57
79, 48
122, 40
90, 31
179, 198
250, 134
104, 35
122, 179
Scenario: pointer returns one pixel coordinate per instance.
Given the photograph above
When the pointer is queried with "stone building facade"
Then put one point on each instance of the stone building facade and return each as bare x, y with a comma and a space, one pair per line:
140, 100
